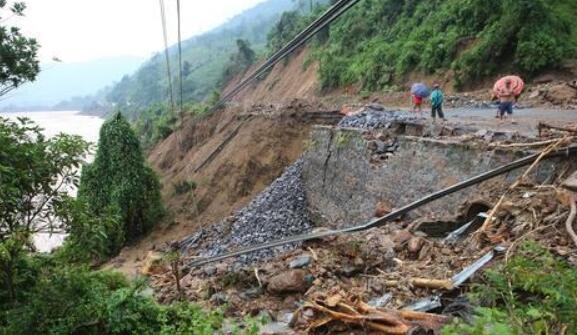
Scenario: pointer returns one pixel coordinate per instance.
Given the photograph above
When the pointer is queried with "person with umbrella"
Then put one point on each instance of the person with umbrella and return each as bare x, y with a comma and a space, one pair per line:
419, 91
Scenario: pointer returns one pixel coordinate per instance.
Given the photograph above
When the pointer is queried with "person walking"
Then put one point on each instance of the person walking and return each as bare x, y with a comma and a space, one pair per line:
506, 98
437, 99
417, 104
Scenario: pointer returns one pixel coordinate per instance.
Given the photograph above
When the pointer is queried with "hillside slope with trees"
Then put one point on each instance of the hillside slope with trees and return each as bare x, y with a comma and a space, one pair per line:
204, 59
379, 43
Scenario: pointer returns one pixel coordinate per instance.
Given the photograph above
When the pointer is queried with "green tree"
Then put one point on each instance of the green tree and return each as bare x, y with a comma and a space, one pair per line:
18, 63
119, 181
36, 174
239, 61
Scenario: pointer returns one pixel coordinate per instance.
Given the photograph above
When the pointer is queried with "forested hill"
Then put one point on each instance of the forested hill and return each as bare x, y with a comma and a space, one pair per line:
204, 58
379, 42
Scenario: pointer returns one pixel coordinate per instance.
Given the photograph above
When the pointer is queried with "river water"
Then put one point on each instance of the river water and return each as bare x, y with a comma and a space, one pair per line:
68, 122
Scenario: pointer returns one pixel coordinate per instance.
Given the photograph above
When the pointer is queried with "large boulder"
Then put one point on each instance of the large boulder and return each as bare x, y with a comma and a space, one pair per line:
292, 281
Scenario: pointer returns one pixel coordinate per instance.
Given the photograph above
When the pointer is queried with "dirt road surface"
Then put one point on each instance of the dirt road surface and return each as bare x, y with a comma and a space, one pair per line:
526, 120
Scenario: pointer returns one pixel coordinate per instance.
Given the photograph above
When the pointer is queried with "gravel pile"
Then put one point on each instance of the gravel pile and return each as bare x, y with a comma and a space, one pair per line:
371, 118
279, 211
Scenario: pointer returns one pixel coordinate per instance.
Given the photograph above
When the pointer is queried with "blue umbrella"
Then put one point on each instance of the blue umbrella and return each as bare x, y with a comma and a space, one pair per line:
420, 90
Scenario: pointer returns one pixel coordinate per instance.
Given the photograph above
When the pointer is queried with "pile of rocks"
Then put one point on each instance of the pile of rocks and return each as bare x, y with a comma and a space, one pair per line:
371, 118
279, 211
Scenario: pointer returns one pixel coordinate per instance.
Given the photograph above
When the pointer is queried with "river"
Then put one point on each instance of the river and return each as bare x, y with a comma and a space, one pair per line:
52, 123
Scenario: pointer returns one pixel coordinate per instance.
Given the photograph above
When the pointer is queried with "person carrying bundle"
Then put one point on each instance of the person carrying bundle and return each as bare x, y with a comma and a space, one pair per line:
507, 90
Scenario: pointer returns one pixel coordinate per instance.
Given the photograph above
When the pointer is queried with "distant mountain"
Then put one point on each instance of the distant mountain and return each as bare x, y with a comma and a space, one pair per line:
204, 56
62, 81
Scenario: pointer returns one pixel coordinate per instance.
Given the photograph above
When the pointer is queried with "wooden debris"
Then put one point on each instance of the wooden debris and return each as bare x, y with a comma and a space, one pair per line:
554, 145
543, 125
571, 219
440, 284
353, 312
524, 144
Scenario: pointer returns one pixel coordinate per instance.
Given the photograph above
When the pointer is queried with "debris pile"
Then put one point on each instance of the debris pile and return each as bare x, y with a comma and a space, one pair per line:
340, 311
371, 118
279, 211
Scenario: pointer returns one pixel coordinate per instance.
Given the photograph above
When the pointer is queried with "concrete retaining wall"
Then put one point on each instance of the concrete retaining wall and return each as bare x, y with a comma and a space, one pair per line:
344, 188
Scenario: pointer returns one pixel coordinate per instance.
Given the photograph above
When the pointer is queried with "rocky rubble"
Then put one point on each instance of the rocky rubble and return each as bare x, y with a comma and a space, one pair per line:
371, 118
279, 211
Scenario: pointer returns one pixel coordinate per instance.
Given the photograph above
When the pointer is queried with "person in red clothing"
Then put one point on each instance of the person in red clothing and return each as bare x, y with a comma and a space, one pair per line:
417, 104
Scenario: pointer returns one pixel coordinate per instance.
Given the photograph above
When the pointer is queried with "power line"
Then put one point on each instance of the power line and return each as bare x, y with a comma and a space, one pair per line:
330, 15
180, 110
166, 54
179, 52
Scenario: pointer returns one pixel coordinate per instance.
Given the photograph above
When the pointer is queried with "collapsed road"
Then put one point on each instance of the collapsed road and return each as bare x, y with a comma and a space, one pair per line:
378, 222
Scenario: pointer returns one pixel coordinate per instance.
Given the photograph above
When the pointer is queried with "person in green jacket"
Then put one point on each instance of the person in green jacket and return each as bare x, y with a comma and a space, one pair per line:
437, 103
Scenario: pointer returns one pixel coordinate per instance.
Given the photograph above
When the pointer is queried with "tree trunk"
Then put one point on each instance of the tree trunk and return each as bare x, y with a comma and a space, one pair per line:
9, 281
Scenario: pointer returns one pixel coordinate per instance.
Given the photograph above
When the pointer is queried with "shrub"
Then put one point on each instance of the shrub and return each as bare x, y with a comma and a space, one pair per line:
35, 174
534, 293
73, 300
120, 181
184, 186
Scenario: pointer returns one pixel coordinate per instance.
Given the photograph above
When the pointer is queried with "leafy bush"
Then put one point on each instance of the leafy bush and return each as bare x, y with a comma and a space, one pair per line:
534, 293
35, 175
73, 300
90, 238
155, 124
119, 181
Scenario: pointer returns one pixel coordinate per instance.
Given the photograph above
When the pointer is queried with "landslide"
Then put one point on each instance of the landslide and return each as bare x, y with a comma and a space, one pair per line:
294, 78
256, 146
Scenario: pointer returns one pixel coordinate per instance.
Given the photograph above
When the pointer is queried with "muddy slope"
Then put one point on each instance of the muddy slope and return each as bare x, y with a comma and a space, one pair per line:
226, 159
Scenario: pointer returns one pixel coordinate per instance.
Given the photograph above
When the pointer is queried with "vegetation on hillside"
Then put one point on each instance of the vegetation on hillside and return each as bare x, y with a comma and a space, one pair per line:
533, 293
239, 61
204, 59
35, 174
120, 182
378, 43
60, 293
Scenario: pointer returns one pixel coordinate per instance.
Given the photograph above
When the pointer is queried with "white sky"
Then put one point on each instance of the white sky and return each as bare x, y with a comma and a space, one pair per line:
84, 30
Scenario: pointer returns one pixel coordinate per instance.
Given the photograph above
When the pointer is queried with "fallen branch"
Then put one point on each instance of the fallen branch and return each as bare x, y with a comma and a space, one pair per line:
439, 284
542, 125
257, 277
436, 284
524, 145
519, 180
393, 326
571, 218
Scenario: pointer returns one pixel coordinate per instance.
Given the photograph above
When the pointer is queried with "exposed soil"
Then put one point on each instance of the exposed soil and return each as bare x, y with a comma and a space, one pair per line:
267, 140
286, 81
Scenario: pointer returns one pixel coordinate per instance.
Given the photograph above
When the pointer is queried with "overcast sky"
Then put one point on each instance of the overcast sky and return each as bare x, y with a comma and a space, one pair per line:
84, 30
